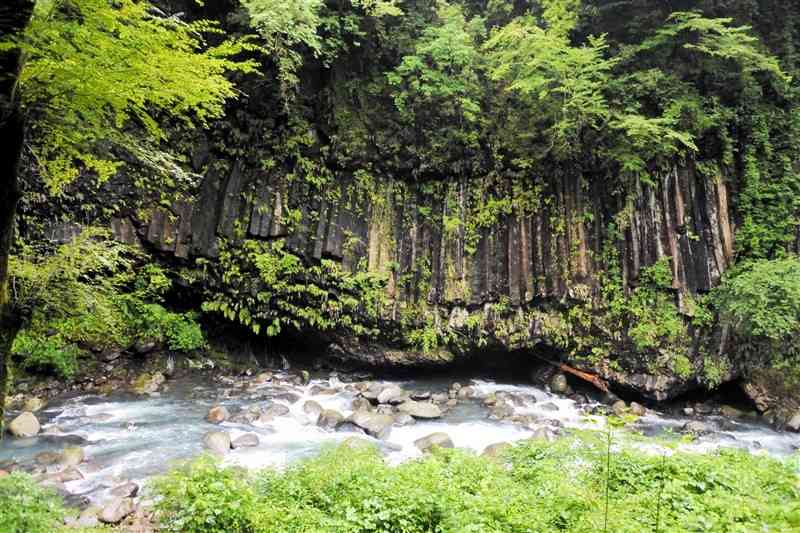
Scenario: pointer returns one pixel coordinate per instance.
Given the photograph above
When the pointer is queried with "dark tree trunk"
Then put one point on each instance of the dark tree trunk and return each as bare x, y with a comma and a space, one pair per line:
14, 18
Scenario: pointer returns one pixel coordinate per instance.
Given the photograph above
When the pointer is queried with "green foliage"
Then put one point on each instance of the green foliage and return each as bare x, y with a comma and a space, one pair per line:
762, 298
536, 486
91, 293
266, 287
205, 498
99, 75
27, 507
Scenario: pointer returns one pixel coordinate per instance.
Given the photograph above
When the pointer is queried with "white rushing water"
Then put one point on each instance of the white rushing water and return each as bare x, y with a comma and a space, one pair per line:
133, 438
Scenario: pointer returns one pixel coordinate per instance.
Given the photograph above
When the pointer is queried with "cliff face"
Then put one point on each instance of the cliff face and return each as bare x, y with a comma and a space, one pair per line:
551, 252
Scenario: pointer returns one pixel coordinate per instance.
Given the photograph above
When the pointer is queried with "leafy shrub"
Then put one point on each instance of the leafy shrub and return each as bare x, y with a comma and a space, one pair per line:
538, 486
762, 298
45, 353
26, 507
203, 497
92, 293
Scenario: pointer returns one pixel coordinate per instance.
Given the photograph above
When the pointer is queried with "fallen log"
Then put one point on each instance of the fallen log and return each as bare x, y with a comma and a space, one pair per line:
595, 380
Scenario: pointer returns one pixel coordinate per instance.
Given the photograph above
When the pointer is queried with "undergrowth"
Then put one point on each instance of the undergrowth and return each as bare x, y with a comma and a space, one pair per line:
536, 487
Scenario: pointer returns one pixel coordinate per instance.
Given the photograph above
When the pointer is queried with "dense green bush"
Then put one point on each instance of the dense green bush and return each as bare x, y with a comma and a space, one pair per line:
538, 487
94, 293
206, 498
25, 507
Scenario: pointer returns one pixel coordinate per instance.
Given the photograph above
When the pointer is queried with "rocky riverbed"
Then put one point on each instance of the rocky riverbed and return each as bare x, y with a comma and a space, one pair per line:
100, 450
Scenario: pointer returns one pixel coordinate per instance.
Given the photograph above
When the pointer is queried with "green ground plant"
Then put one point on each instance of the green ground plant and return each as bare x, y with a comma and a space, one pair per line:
535, 487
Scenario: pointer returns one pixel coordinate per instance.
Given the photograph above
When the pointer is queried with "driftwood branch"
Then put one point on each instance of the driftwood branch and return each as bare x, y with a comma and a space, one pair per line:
595, 380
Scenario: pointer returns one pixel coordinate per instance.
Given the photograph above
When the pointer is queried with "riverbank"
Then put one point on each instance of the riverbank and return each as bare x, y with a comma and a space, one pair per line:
98, 448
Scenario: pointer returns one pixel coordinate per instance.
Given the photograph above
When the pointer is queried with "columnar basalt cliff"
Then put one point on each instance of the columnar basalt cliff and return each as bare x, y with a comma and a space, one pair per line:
538, 261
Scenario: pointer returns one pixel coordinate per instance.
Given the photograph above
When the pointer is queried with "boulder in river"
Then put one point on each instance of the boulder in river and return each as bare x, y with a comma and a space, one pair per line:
25, 425
262, 378
69, 474
217, 414
330, 419
126, 490
496, 449
638, 409
361, 404
420, 409
558, 383
217, 442
440, 440
33, 404
47, 458
148, 383
696, 427
116, 510
275, 410
794, 423
312, 409
619, 407
391, 394
248, 440
72, 456
403, 419
375, 424
372, 391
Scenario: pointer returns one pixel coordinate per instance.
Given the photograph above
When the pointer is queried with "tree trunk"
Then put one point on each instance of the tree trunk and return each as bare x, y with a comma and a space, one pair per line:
14, 18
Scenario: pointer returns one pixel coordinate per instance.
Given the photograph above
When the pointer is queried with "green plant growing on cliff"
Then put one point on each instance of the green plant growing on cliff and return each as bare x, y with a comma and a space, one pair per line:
265, 287
90, 293
760, 300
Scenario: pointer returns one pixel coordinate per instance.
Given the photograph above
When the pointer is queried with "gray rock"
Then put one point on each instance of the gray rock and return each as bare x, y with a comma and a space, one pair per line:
116, 510
148, 383
421, 395
500, 412
619, 408
384, 409
794, 423
375, 424
217, 442
25, 425
403, 419
361, 404
47, 458
696, 427
330, 419
420, 409
372, 391
730, 412
312, 409
217, 414
143, 348
69, 474
248, 440
548, 406
440, 397
638, 409
558, 383
544, 434
495, 450
275, 410
126, 490
391, 394
72, 456
33, 404
466, 392
440, 440
357, 443
262, 378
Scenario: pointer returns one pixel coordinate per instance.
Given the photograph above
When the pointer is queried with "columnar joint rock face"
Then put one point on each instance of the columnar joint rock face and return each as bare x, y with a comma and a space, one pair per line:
551, 250
436, 254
